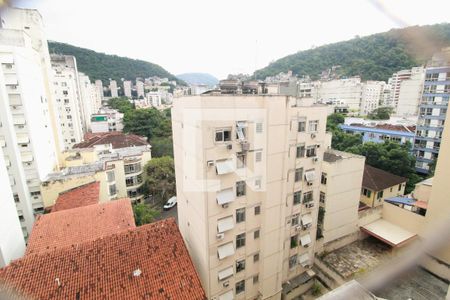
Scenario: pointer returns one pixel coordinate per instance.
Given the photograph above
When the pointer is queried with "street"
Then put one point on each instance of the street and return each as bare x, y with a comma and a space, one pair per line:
168, 213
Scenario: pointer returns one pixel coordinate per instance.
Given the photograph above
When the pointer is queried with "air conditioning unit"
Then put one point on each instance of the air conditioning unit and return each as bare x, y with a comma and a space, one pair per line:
210, 163
306, 246
226, 284
229, 146
245, 146
220, 236
315, 159
225, 205
298, 227
313, 135
309, 205
309, 183
307, 267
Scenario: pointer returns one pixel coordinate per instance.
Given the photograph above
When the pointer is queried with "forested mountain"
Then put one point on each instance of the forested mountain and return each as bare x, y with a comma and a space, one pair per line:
199, 78
104, 66
374, 57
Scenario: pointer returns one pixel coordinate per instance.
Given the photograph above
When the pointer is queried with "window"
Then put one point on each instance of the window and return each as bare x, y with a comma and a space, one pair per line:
240, 240
240, 188
399, 187
259, 127
241, 159
35, 194
294, 241
313, 126
258, 156
292, 261
255, 279
300, 151
129, 181
257, 210
16, 198
311, 151
256, 234
366, 192
112, 189
298, 174
297, 197
323, 178
133, 168
258, 183
223, 135
322, 197
240, 215
307, 197
301, 126
256, 257
111, 176
66, 101
240, 287
295, 219
380, 195
240, 265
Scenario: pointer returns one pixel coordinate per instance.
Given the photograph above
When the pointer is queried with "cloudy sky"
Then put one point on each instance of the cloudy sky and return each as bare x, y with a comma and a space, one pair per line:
222, 37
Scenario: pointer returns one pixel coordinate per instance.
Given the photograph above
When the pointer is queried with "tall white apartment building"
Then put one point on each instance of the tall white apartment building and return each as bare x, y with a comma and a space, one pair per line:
113, 88
342, 92
248, 175
127, 88
27, 132
140, 88
68, 100
396, 82
372, 96
87, 100
411, 93
154, 99
99, 89
12, 243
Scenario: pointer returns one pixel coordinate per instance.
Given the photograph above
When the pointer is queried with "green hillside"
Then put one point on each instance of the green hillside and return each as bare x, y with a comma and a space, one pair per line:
104, 66
373, 57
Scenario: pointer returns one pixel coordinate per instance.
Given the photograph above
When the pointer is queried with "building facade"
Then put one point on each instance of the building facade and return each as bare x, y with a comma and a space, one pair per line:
410, 93
248, 174
127, 88
382, 132
372, 96
342, 92
113, 88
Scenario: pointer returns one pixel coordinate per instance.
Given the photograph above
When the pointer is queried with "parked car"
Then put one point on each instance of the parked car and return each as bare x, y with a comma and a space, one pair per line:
170, 203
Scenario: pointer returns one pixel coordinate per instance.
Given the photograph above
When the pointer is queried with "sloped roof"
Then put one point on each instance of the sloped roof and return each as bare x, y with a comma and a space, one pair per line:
116, 138
147, 262
74, 226
84, 195
377, 180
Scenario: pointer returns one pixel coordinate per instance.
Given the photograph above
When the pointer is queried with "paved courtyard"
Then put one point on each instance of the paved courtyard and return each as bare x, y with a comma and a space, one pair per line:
357, 257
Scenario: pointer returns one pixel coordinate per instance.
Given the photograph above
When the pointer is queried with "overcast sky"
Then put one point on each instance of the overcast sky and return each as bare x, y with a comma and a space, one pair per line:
222, 37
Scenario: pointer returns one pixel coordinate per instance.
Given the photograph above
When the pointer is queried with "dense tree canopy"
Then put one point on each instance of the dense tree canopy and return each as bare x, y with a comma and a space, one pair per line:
380, 113
373, 57
144, 214
104, 66
159, 178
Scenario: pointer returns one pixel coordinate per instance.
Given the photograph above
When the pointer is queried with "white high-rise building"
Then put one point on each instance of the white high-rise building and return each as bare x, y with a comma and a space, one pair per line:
372, 96
99, 89
88, 99
12, 243
26, 132
342, 92
68, 99
127, 88
140, 88
248, 176
113, 89
410, 93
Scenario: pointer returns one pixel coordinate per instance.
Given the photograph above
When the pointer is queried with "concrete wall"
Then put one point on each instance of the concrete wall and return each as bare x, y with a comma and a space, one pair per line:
404, 218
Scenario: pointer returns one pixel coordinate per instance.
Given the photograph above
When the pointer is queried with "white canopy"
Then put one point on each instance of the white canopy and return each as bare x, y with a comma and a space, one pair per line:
225, 250
224, 274
387, 232
2, 143
227, 296
18, 120
306, 219
27, 157
310, 175
225, 224
225, 196
224, 166
305, 239
304, 259
23, 139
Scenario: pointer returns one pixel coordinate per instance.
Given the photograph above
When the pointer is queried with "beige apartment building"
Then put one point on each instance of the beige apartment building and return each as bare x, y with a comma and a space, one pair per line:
248, 177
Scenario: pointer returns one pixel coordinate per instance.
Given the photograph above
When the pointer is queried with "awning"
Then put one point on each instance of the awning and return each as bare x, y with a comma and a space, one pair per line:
224, 274
27, 157
227, 296
310, 176
225, 196
225, 250
306, 219
225, 224
305, 239
18, 120
2, 143
304, 259
224, 166
23, 139
387, 232
401, 200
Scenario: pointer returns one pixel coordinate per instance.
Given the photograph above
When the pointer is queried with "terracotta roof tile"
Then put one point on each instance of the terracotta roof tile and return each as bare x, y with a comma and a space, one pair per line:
80, 196
74, 226
116, 138
378, 180
147, 262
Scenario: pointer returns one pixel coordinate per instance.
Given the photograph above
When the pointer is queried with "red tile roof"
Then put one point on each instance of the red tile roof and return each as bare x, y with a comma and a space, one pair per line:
116, 138
74, 226
80, 196
377, 180
147, 262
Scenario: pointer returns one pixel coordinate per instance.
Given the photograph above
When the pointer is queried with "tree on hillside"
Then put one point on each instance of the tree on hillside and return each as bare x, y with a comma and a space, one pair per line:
147, 122
121, 104
144, 214
159, 178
